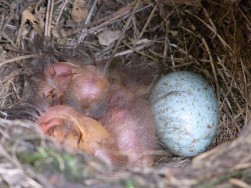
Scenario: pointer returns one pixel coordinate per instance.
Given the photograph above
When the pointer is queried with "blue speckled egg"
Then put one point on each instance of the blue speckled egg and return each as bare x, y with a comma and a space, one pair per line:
186, 113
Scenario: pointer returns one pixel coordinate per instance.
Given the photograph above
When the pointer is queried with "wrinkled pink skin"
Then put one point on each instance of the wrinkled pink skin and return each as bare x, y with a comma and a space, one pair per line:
88, 91
56, 80
131, 122
127, 118
84, 88
78, 131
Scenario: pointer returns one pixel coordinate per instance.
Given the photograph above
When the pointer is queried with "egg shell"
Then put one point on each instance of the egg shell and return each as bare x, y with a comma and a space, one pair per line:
186, 113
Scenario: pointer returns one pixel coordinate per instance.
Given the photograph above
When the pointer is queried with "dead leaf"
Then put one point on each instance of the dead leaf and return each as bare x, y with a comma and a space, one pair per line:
107, 37
79, 10
173, 33
58, 32
60, 35
40, 16
27, 16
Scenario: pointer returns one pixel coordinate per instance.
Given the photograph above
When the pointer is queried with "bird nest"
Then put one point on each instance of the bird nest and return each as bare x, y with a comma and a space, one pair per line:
149, 38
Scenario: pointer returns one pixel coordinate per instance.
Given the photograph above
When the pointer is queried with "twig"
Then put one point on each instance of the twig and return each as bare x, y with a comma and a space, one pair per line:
213, 29
137, 48
19, 59
136, 3
139, 52
15, 90
115, 17
49, 13
196, 3
125, 28
61, 11
183, 52
3, 35
168, 45
147, 23
210, 58
87, 21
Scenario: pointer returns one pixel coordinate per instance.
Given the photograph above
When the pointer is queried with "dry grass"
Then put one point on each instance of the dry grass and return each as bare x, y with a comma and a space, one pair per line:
156, 37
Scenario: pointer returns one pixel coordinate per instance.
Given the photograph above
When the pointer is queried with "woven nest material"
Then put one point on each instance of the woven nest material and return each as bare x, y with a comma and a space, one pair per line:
153, 38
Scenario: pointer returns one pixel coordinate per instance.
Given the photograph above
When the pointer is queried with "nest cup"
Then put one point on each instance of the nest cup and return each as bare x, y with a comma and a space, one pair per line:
156, 38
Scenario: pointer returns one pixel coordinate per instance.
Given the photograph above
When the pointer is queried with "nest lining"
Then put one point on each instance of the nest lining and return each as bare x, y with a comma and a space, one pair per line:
156, 37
